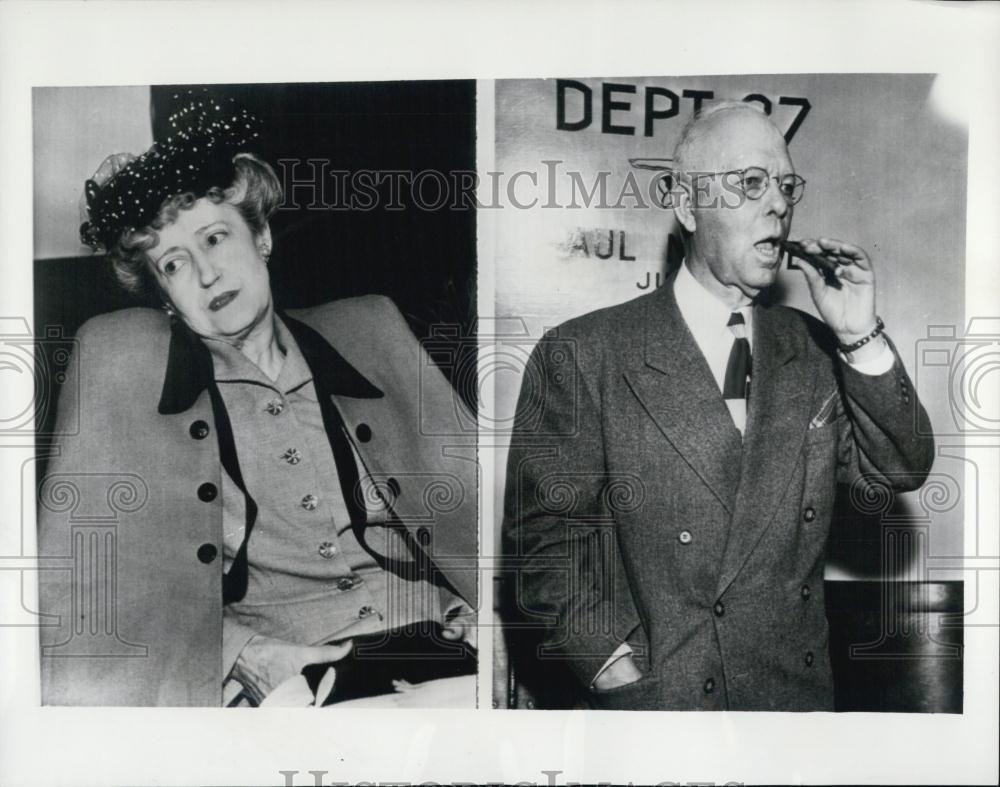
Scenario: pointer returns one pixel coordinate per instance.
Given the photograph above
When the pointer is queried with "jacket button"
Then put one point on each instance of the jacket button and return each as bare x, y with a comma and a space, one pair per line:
327, 549
806, 592
346, 583
309, 502
719, 609
207, 492
363, 433
207, 553
684, 536
366, 612
809, 514
292, 456
809, 659
275, 406
199, 430
709, 686
394, 487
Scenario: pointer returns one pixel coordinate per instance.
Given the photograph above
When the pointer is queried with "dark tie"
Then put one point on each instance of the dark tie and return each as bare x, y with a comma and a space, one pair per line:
736, 388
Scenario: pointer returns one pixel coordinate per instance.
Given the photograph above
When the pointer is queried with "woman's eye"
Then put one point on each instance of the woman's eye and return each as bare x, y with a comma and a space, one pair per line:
216, 238
171, 267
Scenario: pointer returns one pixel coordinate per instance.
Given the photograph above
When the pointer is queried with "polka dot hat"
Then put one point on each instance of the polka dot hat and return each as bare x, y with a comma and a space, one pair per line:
127, 191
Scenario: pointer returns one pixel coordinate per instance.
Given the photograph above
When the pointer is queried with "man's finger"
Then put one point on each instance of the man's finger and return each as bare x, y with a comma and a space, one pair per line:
813, 277
846, 253
854, 274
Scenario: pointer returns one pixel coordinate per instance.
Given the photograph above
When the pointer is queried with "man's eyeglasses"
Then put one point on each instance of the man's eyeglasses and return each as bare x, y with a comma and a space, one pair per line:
754, 181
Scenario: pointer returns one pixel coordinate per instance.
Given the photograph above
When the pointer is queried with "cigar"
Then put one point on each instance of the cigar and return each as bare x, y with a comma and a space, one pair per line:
820, 263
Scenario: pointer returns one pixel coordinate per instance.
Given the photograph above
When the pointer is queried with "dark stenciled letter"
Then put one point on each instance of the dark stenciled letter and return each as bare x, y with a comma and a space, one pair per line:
608, 106
653, 114
562, 85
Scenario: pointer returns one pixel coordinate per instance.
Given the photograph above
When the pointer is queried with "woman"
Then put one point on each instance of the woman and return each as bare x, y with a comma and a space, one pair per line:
292, 482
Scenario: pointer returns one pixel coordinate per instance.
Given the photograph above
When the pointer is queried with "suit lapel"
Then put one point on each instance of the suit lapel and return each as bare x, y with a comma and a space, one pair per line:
678, 392
777, 419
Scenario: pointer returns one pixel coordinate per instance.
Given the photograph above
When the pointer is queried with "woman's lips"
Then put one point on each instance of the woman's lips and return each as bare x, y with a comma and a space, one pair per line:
221, 301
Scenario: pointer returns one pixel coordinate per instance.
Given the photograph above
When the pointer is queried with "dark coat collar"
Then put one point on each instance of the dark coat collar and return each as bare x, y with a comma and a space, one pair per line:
190, 370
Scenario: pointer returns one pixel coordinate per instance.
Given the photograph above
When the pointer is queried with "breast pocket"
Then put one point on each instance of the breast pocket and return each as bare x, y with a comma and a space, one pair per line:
822, 434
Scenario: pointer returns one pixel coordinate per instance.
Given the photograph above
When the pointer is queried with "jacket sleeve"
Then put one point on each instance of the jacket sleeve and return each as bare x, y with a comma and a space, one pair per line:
235, 636
885, 432
565, 577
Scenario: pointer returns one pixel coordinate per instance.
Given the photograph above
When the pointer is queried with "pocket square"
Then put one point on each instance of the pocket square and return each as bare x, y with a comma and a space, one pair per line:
829, 411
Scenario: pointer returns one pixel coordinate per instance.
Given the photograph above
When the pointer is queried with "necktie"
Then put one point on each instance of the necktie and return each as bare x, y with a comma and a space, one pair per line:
736, 389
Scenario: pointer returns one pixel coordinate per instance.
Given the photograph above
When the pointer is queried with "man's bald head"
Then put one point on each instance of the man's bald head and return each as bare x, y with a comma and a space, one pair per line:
714, 131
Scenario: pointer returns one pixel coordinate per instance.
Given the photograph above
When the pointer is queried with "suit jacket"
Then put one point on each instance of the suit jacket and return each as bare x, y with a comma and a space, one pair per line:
130, 520
634, 513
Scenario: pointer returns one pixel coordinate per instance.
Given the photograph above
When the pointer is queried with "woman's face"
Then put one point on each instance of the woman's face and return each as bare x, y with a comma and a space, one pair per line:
210, 266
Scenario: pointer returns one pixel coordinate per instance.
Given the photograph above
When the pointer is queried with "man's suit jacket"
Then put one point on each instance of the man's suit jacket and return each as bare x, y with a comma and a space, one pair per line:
130, 519
633, 512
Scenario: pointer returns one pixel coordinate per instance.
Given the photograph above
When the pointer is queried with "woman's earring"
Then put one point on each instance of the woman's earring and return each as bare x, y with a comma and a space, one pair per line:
265, 253
169, 310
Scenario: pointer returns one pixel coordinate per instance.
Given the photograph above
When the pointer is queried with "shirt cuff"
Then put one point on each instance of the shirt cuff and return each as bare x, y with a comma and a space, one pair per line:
235, 636
874, 366
622, 650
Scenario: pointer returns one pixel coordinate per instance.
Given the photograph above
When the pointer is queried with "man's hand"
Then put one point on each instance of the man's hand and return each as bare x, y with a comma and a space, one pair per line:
265, 662
850, 310
618, 673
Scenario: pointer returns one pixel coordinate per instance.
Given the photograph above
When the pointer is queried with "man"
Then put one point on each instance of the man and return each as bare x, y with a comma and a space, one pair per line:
674, 460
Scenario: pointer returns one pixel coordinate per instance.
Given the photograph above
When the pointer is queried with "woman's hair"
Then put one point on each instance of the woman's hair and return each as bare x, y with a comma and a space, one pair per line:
255, 192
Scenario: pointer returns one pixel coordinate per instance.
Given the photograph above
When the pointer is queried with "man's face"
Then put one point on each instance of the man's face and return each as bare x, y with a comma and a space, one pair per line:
736, 239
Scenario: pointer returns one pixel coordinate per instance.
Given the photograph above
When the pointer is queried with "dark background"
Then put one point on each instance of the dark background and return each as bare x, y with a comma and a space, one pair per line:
425, 260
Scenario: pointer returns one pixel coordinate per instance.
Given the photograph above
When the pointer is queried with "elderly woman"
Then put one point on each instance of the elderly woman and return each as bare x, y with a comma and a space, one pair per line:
295, 484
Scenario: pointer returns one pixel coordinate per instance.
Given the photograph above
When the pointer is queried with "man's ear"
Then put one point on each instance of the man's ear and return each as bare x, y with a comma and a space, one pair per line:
682, 206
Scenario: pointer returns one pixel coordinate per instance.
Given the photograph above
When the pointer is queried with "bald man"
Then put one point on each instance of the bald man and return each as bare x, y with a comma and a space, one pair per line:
674, 460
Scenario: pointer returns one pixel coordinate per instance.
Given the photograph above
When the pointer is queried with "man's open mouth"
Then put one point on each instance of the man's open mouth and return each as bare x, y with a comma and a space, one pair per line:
769, 248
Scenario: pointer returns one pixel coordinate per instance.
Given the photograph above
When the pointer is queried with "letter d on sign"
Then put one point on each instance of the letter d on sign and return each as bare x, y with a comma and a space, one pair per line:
562, 85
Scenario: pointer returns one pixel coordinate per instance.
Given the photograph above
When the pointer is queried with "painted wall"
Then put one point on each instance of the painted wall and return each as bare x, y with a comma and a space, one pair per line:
75, 129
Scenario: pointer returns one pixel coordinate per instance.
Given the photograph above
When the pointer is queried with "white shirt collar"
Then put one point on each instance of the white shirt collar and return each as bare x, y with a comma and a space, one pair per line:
705, 314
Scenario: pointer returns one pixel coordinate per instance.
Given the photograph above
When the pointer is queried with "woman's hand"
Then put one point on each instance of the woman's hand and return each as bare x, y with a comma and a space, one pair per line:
460, 625
266, 662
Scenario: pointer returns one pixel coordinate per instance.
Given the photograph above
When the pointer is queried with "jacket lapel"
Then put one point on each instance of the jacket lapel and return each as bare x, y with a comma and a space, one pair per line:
332, 373
678, 392
777, 419
189, 367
